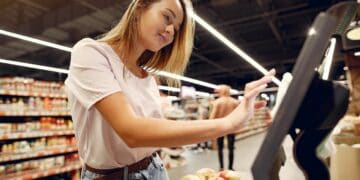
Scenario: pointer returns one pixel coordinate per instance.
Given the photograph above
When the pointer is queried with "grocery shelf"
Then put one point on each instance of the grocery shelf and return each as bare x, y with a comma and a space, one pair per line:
34, 174
29, 114
31, 94
250, 132
41, 153
24, 135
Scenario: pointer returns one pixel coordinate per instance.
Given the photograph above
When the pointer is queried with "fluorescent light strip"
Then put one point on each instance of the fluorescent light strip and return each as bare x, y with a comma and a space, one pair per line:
167, 88
34, 66
271, 89
172, 89
191, 80
183, 78
172, 98
203, 94
329, 59
232, 46
34, 40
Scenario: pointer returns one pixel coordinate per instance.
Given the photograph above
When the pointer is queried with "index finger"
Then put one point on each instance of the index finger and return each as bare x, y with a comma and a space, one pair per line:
264, 80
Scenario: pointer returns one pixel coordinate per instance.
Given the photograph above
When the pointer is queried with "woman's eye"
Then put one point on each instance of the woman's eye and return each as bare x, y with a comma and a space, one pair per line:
167, 18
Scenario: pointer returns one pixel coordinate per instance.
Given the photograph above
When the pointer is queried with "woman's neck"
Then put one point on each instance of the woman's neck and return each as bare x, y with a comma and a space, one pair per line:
130, 59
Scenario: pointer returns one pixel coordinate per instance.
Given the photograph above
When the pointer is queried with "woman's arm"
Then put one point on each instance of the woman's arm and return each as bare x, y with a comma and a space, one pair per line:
144, 131
151, 132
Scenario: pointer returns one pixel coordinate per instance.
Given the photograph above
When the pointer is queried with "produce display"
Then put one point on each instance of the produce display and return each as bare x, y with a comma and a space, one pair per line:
210, 174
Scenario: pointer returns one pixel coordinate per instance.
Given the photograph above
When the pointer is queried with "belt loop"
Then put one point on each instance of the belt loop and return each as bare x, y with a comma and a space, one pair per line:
125, 173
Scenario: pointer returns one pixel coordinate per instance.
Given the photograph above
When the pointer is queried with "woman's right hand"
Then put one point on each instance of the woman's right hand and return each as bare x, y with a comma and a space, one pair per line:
245, 110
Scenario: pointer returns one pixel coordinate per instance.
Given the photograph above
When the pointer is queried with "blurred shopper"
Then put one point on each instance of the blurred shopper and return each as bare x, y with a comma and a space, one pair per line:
223, 106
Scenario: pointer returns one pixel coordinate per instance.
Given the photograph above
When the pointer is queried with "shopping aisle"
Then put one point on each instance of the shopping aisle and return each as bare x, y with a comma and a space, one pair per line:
245, 152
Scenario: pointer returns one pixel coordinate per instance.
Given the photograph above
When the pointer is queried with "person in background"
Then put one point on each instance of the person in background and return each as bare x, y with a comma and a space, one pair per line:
222, 107
114, 99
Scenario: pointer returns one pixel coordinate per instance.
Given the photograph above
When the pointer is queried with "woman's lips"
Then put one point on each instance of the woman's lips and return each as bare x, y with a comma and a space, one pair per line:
162, 38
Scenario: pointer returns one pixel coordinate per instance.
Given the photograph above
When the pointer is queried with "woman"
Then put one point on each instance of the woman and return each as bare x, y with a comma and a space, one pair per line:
114, 101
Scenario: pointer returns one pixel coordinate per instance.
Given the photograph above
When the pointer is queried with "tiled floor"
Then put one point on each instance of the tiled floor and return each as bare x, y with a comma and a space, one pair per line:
245, 152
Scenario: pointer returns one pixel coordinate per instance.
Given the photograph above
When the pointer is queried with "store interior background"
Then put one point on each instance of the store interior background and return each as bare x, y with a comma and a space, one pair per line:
271, 31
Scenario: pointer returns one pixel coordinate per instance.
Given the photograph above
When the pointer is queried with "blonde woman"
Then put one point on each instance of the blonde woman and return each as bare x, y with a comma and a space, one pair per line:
114, 100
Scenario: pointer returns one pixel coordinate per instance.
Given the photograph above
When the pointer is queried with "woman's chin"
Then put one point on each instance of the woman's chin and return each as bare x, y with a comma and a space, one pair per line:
154, 49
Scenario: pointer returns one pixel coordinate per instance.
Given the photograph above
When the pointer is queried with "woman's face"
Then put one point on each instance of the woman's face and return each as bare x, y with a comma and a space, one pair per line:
160, 23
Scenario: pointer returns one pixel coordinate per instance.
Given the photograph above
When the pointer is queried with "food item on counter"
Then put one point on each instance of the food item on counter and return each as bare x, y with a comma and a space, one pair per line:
190, 177
210, 174
206, 174
229, 175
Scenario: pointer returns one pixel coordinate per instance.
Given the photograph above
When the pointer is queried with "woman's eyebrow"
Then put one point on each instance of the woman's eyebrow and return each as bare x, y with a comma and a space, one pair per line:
172, 12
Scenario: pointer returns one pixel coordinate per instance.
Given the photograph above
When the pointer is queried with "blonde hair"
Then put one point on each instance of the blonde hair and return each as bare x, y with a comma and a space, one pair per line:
172, 58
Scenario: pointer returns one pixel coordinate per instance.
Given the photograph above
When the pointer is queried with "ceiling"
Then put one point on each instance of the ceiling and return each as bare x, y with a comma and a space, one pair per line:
270, 31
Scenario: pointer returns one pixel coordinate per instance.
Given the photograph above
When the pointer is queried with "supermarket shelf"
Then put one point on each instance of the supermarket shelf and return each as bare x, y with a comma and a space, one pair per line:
248, 128
34, 174
27, 114
24, 135
250, 132
41, 153
30, 94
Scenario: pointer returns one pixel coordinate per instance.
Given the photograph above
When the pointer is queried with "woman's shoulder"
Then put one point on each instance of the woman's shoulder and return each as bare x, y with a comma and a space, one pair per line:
89, 49
90, 46
88, 42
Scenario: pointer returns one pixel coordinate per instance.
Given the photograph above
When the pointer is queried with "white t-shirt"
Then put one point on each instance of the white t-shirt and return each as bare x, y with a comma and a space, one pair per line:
96, 72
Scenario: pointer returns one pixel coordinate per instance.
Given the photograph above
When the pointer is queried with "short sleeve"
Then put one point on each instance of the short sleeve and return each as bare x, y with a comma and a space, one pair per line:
90, 76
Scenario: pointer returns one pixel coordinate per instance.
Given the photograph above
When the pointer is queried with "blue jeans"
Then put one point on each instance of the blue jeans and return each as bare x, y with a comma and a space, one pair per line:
155, 171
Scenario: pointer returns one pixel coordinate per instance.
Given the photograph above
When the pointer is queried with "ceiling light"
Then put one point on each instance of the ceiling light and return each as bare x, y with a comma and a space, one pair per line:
353, 34
232, 46
311, 32
167, 88
353, 31
172, 89
172, 98
34, 40
357, 53
178, 77
202, 94
34, 66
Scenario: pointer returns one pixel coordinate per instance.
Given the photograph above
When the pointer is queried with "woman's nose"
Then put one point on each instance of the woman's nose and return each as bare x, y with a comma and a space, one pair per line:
170, 29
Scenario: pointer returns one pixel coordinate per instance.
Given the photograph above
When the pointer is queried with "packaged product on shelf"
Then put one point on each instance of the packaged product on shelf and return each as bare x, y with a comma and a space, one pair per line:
9, 169
23, 147
31, 104
60, 161
5, 128
18, 167
2, 170
41, 164
47, 104
47, 163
